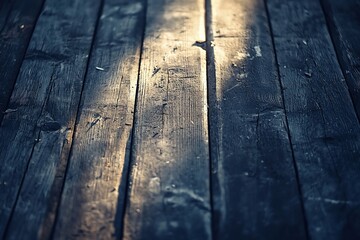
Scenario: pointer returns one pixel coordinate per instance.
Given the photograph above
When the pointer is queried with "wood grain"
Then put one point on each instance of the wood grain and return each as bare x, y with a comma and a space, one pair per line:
35, 139
169, 195
343, 20
93, 198
323, 125
17, 21
254, 179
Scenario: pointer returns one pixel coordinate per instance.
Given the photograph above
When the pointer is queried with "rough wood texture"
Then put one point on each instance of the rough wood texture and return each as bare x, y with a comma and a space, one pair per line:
94, 193
254, 180
17, 21
344, 21
169, 194
285, 136
35, 138
323, 125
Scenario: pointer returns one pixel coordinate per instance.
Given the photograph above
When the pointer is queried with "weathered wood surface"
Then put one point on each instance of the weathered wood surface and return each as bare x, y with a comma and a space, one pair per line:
169, 195
284, 139
255, 187
344, 20
94, 192
17, 21
323, 125
35, 139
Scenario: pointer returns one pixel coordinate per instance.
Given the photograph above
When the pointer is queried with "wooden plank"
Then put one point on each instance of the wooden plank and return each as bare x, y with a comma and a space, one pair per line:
344, 20
169, 195
35, 139
5, 11
93, 198
254, 181
323, 125
17, 21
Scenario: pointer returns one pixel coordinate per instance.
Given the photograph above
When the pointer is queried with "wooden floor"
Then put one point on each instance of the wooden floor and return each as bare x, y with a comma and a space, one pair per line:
180, 119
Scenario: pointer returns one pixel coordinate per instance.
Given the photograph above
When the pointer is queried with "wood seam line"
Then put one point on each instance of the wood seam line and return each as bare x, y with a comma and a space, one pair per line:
287, 122
210, 75
23, 56
49, 90
337, 53
134, 119
77, 117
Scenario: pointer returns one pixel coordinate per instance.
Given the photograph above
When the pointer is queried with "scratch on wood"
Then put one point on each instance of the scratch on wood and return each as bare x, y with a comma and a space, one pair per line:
93, 123
10, 111
333, 201
155, 71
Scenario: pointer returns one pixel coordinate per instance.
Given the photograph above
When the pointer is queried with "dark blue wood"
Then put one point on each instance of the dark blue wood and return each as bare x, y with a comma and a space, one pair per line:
17, 21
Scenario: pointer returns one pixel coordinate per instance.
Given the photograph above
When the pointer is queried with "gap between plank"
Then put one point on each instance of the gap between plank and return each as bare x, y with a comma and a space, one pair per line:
49, 90
287, 123
338, 58
126, 195
210, 75
77, 117
22, 58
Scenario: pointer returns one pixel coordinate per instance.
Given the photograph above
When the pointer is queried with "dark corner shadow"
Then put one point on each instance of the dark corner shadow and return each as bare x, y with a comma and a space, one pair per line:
17, 22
